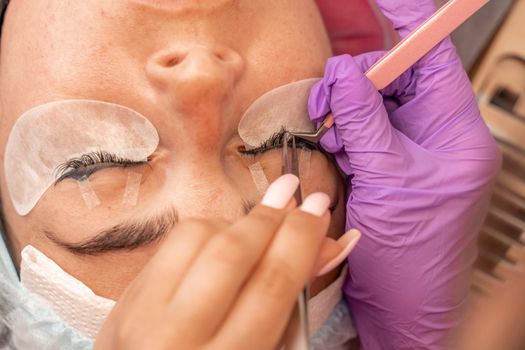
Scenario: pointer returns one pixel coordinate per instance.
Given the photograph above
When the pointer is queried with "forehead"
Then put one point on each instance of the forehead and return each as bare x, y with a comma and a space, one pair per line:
54, 49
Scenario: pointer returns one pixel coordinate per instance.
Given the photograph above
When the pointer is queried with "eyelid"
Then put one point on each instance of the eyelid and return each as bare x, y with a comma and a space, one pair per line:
89, 163
276, 141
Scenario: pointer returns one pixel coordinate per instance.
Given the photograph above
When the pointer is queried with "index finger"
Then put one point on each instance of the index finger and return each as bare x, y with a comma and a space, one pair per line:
184, 248
264, 305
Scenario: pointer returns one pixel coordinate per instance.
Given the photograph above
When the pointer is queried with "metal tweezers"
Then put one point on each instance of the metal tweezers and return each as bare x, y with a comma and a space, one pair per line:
297, 335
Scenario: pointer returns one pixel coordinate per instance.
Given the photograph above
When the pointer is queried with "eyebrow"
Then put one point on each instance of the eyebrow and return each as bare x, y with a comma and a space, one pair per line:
124, 236
128, 236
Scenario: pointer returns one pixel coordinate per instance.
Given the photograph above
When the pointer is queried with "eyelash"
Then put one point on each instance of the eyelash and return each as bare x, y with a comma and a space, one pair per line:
276, 141
87, 164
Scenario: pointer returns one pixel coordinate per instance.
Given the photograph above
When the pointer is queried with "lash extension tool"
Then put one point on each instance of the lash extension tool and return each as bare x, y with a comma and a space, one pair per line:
291, 162
296, 336
410, 50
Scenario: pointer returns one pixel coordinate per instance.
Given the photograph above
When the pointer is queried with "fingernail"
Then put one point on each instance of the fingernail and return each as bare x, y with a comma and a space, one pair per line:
348, 241
316, 204
281, 191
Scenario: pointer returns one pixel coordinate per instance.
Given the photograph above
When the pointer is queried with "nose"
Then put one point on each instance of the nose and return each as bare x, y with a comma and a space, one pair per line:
195, 75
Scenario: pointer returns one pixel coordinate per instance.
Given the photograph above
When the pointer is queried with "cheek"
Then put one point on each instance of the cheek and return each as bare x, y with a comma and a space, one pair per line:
316, 172
94, 272
116, 189
81, 208
111, 283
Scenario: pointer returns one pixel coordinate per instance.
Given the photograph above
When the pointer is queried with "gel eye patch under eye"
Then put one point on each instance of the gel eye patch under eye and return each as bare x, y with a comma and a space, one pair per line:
49, 135
284, 107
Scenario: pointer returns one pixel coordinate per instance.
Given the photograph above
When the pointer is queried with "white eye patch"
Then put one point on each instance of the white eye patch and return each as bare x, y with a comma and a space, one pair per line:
49, 135
285, 107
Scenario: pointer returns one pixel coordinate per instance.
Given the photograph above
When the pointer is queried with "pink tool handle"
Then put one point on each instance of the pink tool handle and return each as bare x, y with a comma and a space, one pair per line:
422, 40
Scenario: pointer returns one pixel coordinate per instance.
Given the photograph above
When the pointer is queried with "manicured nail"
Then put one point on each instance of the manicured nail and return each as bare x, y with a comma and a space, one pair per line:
316, 204
348, 242
281, 192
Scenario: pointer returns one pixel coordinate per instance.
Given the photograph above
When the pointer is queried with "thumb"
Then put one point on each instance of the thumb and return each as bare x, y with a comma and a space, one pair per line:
362, 128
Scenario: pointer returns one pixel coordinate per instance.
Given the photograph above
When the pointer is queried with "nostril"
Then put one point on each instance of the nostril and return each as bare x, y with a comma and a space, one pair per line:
226, 54
220, 53
220, 56
169, 60
194, 64
173, 62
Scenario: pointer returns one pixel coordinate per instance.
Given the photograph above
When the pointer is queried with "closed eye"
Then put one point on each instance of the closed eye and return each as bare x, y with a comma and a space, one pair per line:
277, 141
89, 163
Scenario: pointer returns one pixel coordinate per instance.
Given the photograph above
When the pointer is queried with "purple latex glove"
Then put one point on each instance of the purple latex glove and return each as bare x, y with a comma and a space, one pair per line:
422, 163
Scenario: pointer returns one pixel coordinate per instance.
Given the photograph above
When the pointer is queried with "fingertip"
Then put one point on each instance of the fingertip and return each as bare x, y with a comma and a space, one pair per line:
407, 15
331, 142
318, 102
350, 82
367, 60
316, 204
344, 79
292, 204
350, 238
345, 244
281, 191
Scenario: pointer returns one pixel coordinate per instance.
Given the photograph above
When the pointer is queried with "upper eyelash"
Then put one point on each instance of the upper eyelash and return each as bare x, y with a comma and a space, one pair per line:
276, 141
100, 157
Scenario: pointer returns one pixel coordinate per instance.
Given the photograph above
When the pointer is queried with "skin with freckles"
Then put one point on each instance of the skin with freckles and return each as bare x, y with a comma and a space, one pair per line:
192, 70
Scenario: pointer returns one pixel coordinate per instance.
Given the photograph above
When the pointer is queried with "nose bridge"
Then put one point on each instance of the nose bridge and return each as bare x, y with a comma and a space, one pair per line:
195, 74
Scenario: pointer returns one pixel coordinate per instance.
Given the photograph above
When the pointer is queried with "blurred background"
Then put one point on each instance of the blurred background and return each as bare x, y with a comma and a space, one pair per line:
472, 38
492, 47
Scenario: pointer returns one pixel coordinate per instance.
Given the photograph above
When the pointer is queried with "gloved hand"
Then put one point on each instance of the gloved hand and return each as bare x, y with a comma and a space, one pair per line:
421, 163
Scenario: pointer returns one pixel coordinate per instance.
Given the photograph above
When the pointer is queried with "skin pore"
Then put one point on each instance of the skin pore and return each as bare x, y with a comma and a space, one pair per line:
192, 68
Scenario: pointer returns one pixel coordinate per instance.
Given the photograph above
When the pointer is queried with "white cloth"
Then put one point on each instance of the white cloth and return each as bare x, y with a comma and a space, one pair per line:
83, 312
71, 299
321, 306
26, 323
331, 326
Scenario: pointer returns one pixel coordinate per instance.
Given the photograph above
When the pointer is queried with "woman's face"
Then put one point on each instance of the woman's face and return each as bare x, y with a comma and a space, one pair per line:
191, 68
